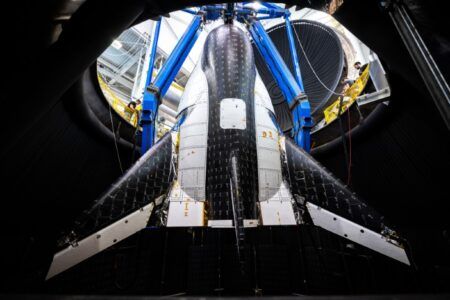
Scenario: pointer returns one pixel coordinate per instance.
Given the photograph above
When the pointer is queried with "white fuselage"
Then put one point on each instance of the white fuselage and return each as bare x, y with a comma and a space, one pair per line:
188, 195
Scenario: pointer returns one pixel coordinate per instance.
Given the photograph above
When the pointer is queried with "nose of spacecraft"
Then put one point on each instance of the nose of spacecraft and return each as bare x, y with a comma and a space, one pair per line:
219, 104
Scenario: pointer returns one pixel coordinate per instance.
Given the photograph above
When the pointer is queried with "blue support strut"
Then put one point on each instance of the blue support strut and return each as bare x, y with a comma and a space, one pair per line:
154, 92
295, 61
151, 65
270, 5
289, 86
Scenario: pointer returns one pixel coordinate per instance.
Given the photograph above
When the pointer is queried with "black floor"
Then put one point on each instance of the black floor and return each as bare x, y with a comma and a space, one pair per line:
287, 261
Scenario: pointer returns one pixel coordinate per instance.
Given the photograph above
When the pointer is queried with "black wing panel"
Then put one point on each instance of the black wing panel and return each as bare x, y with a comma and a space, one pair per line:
149, 178
318, 186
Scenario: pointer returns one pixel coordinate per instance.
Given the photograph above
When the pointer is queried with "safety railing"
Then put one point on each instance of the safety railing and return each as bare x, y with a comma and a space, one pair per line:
332, 112
119, 106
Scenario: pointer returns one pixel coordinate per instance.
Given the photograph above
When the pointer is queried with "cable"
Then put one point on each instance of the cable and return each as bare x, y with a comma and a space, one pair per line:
347, 152
115, 139
113, 131
133, 154
361, 117
344, 142
310, 65
349, 171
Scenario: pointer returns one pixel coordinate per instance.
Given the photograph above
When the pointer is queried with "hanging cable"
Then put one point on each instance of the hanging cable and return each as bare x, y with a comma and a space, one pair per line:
311, 67
113, 131
135, 135
115, 139
349, 171
344, 142
361, 117
347, 153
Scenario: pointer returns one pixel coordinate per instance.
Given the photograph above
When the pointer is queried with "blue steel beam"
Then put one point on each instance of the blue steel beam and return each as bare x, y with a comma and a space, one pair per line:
294, 95
249, 10
266, 18
163, 80
270, 5
153, 53
276, 73
293, 89
295, 61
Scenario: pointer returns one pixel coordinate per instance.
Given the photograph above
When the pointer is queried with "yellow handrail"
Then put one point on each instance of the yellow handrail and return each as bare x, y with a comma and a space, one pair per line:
130, 115
331, 112
121, 107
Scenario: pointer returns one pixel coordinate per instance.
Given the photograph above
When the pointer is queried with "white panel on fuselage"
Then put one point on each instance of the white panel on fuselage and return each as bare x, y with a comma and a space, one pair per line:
186, 214
196, 89
190, 187
194, 138
192, 152
275, 200
262, 95
275, 213
233, 114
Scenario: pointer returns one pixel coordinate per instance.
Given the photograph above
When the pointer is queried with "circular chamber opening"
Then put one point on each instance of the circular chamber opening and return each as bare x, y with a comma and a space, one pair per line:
321, 61
122, 73
335, 65
327, 54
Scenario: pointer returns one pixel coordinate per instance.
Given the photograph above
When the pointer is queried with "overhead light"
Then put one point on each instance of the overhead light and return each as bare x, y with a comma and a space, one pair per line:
116, 44
256, 5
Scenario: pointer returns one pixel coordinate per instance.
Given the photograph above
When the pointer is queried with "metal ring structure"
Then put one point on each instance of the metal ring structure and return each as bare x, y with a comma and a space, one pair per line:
324, 51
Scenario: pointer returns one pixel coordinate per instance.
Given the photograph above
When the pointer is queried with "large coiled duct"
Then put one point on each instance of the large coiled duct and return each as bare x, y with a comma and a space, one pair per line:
323, 50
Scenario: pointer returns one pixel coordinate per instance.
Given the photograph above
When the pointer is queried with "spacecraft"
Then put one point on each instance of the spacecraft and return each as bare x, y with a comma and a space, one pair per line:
226, 164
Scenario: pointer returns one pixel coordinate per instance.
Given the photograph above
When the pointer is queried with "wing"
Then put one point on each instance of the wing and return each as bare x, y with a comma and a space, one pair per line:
122, 211
332, 206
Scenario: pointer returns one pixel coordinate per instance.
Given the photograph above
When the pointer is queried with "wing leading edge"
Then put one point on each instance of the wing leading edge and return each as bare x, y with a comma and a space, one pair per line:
122, 211
332, 206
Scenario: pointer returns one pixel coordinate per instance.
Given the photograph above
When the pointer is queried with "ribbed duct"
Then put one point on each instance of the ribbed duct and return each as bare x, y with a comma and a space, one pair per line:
323, 50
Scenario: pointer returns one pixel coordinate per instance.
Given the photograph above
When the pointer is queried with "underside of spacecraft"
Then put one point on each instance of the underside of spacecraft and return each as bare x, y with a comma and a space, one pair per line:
213, 149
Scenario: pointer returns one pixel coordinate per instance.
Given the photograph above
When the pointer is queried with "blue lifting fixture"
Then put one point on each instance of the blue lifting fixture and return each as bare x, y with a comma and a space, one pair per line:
156, 90
295, 61
290, 85
147, 128
153, 53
